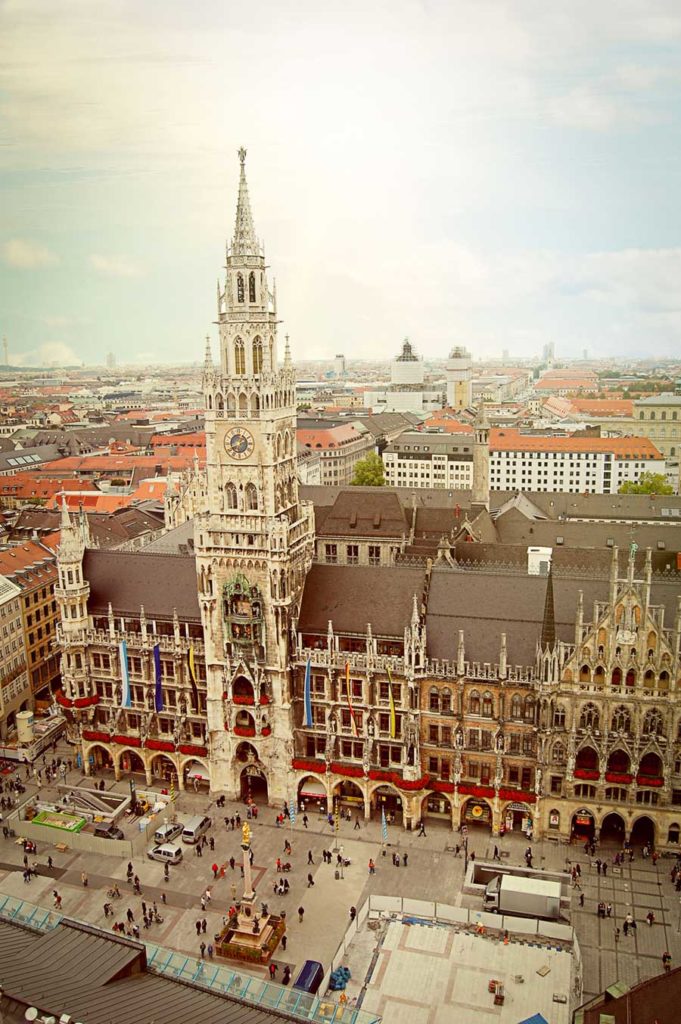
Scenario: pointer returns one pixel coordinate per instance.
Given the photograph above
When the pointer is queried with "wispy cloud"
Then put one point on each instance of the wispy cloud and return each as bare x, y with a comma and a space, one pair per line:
116, 266
23, 254
50, 353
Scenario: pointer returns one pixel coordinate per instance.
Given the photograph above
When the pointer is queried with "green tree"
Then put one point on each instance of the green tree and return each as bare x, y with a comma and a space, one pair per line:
369, 472
648, 483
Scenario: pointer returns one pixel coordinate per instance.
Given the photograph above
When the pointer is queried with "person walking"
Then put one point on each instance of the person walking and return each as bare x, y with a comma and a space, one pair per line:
301, 914
405, 859
356, 825
198, 927
202, 947
309, 857
204, 926
305, 820
215, 869
50, 863
495, 855
310, 880
605, 868
57, 899
581, 899
284, 941
422, 829
372, 867
210, 950
353, 913
666, 962
273, 971
83, 878
130, 916
211, 843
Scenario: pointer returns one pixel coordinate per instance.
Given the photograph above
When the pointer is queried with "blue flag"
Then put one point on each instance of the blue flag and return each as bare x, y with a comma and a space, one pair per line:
384, 826
308, 695
126, 701
158, 691
292, 811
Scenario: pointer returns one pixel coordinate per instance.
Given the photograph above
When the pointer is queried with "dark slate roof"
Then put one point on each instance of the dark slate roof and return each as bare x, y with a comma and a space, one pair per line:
487, 604
47, 971
106, 529
354, 595
514, 528
360, 512
128, 579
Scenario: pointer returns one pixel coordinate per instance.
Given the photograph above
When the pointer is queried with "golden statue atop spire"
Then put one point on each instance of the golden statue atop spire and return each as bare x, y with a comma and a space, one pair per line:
242, 156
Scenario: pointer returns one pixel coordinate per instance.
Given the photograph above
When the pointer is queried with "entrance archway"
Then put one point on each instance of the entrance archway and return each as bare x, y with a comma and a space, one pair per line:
349, 796
100, 757
388, 799
643, 832
163, 767
477, 812
196, 774
132, 762
312, 793
583, 824
518, 818
254, 784
437, 808
613, 830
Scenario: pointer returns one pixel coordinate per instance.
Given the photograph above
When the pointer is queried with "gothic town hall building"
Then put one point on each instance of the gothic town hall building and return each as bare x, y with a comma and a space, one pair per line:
226, 650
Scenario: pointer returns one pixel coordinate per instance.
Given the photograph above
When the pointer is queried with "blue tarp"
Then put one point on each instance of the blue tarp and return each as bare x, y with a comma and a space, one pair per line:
536, 1019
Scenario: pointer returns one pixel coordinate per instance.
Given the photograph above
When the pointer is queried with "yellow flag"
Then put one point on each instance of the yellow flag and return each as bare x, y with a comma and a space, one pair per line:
393, 729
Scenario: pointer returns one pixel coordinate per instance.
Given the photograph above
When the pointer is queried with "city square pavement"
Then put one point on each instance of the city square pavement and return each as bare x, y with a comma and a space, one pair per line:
433, 872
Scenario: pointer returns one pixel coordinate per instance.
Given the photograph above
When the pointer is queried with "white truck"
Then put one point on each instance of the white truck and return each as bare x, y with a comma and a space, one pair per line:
523, 897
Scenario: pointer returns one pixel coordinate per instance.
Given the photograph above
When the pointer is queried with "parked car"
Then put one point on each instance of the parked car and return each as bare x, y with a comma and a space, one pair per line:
167, 853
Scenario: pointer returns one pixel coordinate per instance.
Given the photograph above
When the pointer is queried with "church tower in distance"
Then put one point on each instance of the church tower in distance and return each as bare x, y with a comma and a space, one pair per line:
254, 542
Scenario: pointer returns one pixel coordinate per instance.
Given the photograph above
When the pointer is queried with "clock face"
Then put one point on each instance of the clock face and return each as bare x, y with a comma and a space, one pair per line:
239, 443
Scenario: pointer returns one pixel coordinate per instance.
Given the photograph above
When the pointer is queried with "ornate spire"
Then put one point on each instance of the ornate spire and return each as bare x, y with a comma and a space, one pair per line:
287, 354
244, 242
208, 359
65, 517
548, 627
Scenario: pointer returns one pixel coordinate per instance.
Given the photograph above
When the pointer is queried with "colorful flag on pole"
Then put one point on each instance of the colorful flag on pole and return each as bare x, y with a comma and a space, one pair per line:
308, 694
158, 689
126, 701
173, 794
336, 817
384, 826
192, 677
353, 723
292, 810
393, 728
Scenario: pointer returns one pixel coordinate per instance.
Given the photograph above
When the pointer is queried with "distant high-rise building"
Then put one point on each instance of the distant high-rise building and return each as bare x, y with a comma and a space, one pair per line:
407, 368
110, 361
459, 379
549, 353
505, 356
339, 365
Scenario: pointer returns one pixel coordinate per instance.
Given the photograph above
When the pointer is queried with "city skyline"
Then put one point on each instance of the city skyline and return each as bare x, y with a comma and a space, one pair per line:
493, 178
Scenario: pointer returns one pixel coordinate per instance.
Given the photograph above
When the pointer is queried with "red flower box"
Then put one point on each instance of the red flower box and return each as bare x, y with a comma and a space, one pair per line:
587, 773
127, 741
472, 789
264, 699
517, 795
352, 771
378, 774
102, 737
62, 699
244, 730
442, 787
86, 702
412, 786
266, 730
622, 777
308, 765
243, 700
649, 780
188, 748
160, 745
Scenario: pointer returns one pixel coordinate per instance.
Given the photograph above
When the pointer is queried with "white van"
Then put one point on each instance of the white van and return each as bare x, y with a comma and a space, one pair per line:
168, 831
195, 828
167, 853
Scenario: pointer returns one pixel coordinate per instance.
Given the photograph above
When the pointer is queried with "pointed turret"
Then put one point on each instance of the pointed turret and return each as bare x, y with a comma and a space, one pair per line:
548, 626
208, 358
65, 522
480, 494
244, 242
287, 354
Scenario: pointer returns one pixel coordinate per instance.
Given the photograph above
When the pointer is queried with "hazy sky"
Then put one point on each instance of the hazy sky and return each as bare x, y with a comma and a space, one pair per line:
498, 174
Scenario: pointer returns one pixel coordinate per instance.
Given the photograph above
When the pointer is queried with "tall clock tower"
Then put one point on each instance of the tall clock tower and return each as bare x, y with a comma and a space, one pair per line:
254, 543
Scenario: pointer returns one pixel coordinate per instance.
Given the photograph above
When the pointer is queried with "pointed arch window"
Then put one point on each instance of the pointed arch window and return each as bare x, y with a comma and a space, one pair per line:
239, 357
559, 717
257, 355
251, 497
589, 718
621, 720
251, 287
487, 706
474, 703
230, 496
652, 723
239, 287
